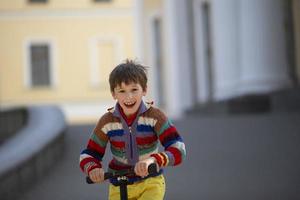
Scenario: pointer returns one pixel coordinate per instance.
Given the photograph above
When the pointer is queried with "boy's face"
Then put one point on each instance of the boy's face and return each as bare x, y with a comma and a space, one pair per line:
129, 97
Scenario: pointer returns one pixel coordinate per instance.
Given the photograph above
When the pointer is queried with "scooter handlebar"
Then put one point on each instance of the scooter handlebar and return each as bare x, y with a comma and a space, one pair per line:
152, 169
107, 175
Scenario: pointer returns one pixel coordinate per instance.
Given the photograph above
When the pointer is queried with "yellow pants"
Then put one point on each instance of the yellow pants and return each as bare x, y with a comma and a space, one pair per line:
149, 189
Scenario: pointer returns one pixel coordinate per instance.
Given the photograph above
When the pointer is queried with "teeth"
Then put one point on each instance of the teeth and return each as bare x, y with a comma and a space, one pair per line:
129, 103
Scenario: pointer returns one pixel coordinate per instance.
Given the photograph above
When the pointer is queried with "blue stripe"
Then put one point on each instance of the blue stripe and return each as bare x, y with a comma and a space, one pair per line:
144, 128
93, 154
113, 133
173, 141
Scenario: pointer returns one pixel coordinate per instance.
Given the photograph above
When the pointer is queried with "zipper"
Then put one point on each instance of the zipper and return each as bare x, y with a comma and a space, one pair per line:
131, 147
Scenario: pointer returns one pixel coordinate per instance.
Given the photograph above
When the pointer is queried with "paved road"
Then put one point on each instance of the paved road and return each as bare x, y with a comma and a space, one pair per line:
241, 157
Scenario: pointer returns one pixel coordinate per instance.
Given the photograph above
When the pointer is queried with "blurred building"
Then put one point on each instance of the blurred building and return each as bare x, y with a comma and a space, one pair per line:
201, 53
61, 52
208, 52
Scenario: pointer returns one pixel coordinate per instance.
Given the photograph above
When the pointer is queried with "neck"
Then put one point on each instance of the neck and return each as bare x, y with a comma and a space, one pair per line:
129, 118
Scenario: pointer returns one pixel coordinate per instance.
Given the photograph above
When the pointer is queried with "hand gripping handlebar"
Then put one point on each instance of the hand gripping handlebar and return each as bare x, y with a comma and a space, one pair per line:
152, 169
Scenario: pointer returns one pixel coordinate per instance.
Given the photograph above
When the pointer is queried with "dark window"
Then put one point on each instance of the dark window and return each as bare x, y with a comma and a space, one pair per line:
290, 32
208, 53
40, 65
37, 1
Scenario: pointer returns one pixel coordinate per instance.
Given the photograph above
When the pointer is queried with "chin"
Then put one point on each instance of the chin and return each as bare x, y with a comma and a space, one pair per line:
132, 111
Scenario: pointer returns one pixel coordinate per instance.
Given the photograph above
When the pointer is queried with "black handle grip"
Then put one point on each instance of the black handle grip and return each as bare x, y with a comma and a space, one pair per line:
88, 180
152, 169
108, 175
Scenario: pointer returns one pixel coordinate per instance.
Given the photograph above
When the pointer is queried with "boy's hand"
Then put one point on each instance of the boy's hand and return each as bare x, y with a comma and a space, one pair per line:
97, 175
141, 168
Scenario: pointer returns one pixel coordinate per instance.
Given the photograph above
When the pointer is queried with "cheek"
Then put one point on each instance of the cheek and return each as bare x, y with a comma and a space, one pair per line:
118, 98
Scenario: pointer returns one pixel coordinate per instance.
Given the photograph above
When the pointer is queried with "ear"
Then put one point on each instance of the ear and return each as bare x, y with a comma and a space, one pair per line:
145, 91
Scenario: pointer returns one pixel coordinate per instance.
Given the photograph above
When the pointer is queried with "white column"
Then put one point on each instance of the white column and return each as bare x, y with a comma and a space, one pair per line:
201, 70
185, 55
226, 52
138, 9
172, 79
263, 53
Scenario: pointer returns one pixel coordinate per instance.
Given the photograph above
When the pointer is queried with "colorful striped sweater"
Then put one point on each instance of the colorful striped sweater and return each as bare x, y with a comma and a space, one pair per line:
131, 144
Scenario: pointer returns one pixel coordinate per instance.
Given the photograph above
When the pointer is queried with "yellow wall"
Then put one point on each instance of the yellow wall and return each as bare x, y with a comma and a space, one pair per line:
71, 35
63, 4
71, 40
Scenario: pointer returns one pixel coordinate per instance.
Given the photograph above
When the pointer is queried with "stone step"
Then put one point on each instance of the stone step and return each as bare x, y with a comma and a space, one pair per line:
287, 100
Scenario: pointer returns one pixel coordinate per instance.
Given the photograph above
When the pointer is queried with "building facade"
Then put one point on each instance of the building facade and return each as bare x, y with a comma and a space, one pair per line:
199, 52
61, 52
206, 51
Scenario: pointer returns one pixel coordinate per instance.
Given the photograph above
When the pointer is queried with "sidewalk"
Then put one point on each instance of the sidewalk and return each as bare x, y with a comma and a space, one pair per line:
241, 157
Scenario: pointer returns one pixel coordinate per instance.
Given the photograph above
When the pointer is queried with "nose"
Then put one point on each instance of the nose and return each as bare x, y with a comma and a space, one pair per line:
129, 95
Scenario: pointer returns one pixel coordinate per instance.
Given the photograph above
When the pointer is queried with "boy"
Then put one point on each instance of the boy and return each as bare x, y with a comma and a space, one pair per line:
133, 129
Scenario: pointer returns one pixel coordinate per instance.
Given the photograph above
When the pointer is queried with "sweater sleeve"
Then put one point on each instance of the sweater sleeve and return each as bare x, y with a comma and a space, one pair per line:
91, 156
174, 148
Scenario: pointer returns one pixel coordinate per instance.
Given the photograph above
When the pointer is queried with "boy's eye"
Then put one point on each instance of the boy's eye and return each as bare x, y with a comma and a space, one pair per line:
121, 91
134, 89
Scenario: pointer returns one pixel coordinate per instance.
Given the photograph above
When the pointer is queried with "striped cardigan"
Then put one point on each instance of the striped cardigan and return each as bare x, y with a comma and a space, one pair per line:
131, 144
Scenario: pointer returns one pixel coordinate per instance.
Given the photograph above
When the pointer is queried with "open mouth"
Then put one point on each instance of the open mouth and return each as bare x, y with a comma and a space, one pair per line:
129, 104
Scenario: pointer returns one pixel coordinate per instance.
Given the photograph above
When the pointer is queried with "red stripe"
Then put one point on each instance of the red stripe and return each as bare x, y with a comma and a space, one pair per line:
158, 159
94, 146
87, 160
146, 140
115, 166
165, 159
118, 144
167, 132
177, 155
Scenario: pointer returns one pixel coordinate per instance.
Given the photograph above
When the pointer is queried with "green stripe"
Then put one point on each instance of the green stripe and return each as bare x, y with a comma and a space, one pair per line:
164, 127
147, 150
117, 153
95, 138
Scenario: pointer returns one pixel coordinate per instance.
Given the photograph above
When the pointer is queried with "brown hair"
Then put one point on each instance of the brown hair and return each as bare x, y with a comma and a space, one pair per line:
128, 72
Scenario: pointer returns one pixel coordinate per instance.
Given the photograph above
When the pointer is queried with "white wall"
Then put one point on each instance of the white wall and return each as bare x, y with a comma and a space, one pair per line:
249, 50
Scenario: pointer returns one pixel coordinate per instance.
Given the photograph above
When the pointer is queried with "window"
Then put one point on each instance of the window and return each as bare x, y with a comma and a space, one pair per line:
39, 65
206, 28
105, 53
290, 31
